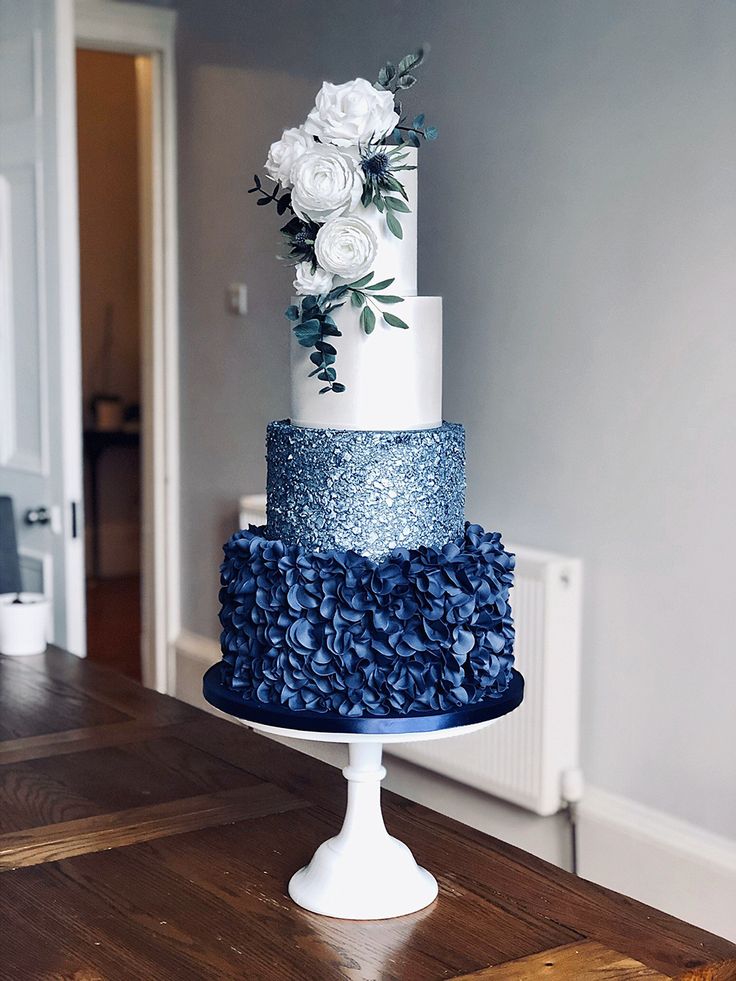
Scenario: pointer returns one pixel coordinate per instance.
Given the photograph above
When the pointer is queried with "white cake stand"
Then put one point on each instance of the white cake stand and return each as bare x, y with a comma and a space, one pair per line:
363, 873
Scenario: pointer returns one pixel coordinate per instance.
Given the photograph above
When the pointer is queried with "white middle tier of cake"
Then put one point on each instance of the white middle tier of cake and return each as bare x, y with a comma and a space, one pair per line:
392, 377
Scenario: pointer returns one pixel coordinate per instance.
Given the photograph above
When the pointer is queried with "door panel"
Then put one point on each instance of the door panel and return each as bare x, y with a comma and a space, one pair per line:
40, 404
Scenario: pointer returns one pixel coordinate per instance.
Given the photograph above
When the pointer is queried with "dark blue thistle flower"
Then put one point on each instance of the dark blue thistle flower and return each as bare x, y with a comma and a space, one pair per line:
376, 165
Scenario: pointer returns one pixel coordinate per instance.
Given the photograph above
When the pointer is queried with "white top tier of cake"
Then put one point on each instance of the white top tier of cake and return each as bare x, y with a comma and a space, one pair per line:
393, 377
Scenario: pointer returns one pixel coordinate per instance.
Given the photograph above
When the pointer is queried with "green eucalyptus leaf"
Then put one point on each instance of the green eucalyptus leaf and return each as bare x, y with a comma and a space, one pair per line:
411, 61
338, 387
379, 203
357, 300
367, 195
292, 312
316, 358
325, 347
395, 321
418, 121
306, 335
367, 320
431, 133
394, 226
382, 285
327, 388
361, 282
397, 205
313, 373
386, 74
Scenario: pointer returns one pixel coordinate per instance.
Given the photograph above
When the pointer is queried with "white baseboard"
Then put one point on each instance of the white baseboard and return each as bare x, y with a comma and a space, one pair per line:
636, 850
659, 860
192, 654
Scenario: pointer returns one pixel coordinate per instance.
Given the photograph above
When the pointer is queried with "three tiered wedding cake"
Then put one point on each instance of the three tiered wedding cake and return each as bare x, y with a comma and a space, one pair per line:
365, 596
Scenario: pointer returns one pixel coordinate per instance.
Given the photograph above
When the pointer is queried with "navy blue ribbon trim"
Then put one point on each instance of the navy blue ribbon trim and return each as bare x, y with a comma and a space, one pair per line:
273, 715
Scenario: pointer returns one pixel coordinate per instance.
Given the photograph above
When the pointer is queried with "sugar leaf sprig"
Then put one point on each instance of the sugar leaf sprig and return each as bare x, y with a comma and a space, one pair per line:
312, 325
366, 297
282, 201
397, 78
394, 78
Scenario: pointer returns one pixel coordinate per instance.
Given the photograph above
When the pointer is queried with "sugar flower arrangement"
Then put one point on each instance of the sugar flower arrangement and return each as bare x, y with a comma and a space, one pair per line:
346, 157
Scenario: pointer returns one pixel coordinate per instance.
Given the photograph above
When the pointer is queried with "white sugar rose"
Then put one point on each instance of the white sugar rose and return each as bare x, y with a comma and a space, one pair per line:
285, 152
308, 283
326, 183
346, 247
352, 113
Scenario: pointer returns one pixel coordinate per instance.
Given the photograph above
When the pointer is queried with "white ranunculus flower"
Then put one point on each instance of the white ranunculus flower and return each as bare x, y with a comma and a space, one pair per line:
346, 247
352, 113
307, 282
285, 152
326, 183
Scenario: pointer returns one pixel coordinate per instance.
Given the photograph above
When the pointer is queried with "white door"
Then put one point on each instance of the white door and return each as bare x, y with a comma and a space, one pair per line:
40, 402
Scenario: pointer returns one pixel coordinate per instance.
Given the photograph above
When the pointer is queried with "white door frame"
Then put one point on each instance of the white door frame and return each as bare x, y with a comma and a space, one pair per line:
136, 29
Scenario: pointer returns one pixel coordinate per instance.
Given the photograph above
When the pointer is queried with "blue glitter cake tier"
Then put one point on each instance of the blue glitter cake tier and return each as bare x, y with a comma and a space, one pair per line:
369, 492
423, 630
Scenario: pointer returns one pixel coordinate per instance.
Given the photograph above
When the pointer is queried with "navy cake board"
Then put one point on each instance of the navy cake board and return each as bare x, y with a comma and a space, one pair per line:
229, 702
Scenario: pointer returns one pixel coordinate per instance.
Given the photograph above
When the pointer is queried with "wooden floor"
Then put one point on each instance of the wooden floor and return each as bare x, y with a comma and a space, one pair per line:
142, 839
114, 624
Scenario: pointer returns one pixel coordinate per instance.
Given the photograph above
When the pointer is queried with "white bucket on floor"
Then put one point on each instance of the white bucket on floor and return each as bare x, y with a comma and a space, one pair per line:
24, 626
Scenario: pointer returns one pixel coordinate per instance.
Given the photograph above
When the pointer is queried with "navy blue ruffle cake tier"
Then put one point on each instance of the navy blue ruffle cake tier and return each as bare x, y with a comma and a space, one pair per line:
336, 633
370, 492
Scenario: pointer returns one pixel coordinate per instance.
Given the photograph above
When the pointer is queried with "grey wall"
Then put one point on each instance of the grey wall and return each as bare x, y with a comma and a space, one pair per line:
579, 216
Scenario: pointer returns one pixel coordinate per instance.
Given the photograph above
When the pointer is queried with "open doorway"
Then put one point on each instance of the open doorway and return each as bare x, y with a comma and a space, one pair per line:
141, 517
113, 100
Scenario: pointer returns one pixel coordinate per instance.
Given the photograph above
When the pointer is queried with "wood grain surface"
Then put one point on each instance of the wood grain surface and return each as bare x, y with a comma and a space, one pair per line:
143, 839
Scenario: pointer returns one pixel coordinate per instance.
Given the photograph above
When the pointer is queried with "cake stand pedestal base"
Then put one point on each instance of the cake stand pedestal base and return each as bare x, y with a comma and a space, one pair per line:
363, 873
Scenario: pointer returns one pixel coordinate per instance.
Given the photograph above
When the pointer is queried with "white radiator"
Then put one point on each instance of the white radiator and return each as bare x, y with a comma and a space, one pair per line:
252, 510
524, 757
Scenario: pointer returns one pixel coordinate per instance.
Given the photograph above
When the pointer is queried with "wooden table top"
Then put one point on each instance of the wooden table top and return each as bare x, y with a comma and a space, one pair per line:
143, 839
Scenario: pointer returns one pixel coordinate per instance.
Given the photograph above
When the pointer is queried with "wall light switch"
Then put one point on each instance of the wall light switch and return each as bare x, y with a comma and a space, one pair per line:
237, 299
